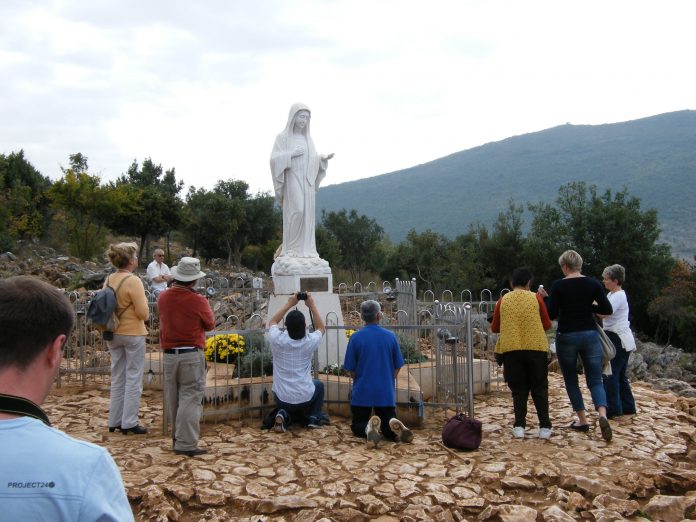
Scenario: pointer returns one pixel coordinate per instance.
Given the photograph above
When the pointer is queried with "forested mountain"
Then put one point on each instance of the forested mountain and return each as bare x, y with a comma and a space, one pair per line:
654, 158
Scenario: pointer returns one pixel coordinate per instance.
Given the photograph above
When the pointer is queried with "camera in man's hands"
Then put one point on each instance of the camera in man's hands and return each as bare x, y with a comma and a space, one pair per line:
301, 296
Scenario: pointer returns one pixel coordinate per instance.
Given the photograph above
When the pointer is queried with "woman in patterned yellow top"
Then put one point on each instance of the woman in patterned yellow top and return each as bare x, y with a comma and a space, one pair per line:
520, 317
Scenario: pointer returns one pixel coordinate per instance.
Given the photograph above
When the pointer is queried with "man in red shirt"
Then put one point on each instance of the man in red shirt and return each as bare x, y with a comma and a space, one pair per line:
185, 316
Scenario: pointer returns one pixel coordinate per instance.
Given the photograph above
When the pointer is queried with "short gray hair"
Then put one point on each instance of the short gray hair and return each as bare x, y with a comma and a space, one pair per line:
571, 259
615, 273
369, 310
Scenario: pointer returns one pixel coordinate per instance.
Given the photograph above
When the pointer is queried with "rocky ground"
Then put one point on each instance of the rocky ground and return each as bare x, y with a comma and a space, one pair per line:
647, 472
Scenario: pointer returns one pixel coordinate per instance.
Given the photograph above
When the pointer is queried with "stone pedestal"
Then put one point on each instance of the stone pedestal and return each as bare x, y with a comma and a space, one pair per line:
289, 284
293, 274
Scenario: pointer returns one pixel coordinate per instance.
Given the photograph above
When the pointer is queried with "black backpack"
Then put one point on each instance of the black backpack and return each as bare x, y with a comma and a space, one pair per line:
102, 309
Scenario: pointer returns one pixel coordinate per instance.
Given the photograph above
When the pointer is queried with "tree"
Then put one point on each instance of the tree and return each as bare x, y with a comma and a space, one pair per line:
328, 247
424, 255
261, 226
157, 209
503, 251
224, 221
24, 207
358, 238
605, 229
83, 206
675, 307
193, 216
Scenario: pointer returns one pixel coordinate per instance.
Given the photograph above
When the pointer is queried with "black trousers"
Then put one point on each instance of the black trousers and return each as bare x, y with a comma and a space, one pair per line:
526, 371
362, 414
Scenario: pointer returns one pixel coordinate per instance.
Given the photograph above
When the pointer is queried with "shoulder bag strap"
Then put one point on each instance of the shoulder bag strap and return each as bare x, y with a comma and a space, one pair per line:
116, 294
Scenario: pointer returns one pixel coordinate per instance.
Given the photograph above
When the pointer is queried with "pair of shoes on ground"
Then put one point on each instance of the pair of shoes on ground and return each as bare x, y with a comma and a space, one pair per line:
374, 428
281, 421
544, 433
603, 426
191, 453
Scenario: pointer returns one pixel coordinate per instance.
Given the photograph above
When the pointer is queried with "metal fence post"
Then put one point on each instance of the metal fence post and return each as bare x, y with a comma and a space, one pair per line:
469, 362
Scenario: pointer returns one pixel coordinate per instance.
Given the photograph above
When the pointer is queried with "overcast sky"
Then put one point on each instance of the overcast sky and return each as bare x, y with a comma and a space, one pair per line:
205, 86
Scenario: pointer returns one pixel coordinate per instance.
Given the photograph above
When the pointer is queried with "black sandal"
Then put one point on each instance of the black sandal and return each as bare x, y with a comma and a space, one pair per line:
579, 427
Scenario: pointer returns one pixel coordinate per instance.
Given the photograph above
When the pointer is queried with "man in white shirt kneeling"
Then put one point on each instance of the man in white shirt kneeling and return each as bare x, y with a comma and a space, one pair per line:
298, 397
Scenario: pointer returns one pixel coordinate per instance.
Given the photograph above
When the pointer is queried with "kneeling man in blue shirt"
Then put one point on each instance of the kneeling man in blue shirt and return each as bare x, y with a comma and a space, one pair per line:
373, 360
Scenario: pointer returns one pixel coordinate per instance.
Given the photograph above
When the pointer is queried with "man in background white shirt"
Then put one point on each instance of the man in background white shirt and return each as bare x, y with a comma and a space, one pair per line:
158, 272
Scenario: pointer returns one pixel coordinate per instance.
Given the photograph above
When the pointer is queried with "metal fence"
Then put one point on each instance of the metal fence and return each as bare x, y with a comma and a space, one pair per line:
447, 346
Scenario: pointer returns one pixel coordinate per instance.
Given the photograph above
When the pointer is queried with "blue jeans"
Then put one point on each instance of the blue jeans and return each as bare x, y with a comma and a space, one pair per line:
586, 345
307, 412
620, 399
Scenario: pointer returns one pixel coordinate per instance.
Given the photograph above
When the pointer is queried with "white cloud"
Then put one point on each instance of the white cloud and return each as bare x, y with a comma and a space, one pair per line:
204, 87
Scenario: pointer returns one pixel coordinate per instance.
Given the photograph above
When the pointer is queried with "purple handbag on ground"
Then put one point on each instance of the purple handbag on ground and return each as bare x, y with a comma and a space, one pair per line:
461, 432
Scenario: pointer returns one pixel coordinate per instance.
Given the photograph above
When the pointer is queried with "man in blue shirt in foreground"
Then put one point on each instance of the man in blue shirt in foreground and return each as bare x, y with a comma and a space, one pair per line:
44, 473
373, 360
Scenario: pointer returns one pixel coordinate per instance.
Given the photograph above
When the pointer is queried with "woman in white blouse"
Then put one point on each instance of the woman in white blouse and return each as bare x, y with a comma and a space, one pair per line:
617, 386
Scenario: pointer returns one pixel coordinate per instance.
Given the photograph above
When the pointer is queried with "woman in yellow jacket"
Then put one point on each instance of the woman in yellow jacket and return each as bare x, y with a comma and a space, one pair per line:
520, 317
127, 348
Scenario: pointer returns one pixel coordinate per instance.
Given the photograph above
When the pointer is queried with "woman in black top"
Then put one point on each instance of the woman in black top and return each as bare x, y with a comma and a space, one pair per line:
574, 301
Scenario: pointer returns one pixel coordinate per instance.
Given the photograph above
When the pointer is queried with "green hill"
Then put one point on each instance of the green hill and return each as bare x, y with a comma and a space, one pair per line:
654, 158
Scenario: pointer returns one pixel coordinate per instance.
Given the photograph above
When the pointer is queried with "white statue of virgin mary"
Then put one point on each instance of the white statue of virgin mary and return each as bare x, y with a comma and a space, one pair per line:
297, 171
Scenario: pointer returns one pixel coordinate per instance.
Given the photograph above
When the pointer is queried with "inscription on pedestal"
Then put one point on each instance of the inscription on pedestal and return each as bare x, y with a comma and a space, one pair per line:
314, 284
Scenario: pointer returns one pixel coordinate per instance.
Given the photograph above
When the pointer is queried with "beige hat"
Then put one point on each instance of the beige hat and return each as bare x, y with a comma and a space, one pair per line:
188, 269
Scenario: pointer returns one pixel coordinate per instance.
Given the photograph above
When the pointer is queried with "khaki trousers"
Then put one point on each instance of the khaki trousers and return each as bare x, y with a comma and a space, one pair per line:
184, 389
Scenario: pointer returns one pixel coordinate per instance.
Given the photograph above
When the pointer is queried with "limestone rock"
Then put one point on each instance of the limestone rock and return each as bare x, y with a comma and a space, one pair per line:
509, 513
203, 475
372, 505
211, 497
666, 507
155, 502
517, 483
272, 505
556, 514
624, 507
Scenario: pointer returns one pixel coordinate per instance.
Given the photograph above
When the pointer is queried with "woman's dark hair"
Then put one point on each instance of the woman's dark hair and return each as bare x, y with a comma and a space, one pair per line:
520, 277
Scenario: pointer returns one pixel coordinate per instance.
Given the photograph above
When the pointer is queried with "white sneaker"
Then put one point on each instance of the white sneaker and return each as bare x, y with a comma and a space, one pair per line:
403, 434
545, 433
372, 431
518, 432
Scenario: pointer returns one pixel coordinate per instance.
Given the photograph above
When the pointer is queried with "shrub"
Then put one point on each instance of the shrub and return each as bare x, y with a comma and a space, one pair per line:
409, 349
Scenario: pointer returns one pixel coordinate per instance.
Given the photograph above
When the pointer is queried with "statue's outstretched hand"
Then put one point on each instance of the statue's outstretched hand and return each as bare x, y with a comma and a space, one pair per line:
330, 156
